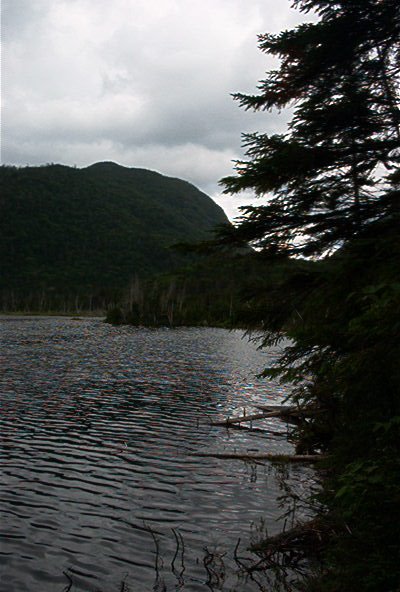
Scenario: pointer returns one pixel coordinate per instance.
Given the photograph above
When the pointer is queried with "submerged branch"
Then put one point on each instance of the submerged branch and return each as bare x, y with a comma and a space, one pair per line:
288, 458
304, 540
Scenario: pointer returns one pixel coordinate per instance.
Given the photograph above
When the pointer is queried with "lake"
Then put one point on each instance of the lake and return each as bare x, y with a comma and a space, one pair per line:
99, 491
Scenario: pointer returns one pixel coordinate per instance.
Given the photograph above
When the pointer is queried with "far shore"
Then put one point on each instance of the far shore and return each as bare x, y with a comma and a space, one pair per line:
72, 315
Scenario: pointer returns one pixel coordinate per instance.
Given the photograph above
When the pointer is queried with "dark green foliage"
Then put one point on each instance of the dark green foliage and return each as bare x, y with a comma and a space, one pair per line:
331, 189
214, 291
73, 238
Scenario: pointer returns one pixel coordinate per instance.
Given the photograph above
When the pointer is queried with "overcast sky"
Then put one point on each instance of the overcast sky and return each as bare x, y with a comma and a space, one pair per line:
145, 83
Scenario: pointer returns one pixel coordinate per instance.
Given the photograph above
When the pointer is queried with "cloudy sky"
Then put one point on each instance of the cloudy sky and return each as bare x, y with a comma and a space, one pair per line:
145, 83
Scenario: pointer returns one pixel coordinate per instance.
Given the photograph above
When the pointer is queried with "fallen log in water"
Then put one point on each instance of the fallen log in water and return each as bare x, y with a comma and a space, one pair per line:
288, 414
276, 407
290, 410
278, 413
297, 458
232, 420
274, 433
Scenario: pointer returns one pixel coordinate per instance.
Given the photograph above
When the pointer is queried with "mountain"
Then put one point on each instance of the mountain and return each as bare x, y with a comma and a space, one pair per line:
68, 233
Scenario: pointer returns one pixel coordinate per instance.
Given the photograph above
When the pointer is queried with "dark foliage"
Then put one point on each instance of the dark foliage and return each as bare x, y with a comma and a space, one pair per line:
214, 291
331, 191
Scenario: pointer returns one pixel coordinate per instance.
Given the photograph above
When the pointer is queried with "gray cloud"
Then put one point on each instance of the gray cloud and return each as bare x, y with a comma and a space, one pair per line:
142, 82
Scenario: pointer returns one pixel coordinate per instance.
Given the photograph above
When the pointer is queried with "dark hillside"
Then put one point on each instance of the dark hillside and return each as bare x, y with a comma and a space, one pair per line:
68, 233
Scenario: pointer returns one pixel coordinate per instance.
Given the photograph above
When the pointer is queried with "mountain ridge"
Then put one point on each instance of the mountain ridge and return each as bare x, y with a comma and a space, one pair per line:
90, 230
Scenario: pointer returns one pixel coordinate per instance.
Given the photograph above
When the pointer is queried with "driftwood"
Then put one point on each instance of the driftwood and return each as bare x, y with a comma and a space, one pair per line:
297, 458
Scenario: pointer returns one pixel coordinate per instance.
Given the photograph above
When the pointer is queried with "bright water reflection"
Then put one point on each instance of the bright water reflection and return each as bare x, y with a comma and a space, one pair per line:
96, 430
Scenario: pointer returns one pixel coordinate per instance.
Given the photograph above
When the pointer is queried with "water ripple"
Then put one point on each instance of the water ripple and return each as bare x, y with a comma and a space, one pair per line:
96, 427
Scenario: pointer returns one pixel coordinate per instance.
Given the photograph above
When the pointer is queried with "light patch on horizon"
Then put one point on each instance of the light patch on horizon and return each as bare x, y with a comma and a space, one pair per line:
145, 83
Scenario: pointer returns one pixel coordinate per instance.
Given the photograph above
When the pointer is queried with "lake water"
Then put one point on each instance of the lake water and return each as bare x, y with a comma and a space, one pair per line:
99, 491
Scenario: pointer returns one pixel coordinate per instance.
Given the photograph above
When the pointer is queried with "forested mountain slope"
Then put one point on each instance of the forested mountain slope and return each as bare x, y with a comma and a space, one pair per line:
85, 233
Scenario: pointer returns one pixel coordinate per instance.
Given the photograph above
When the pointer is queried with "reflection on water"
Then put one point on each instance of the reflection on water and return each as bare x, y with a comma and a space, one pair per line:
97, 424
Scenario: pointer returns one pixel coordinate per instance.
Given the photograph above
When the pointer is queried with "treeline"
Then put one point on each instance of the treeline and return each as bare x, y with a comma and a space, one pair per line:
213, 292
65, 301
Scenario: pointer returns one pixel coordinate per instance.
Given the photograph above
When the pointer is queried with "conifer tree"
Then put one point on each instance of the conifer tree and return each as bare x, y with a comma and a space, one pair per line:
327, 177
331, 190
